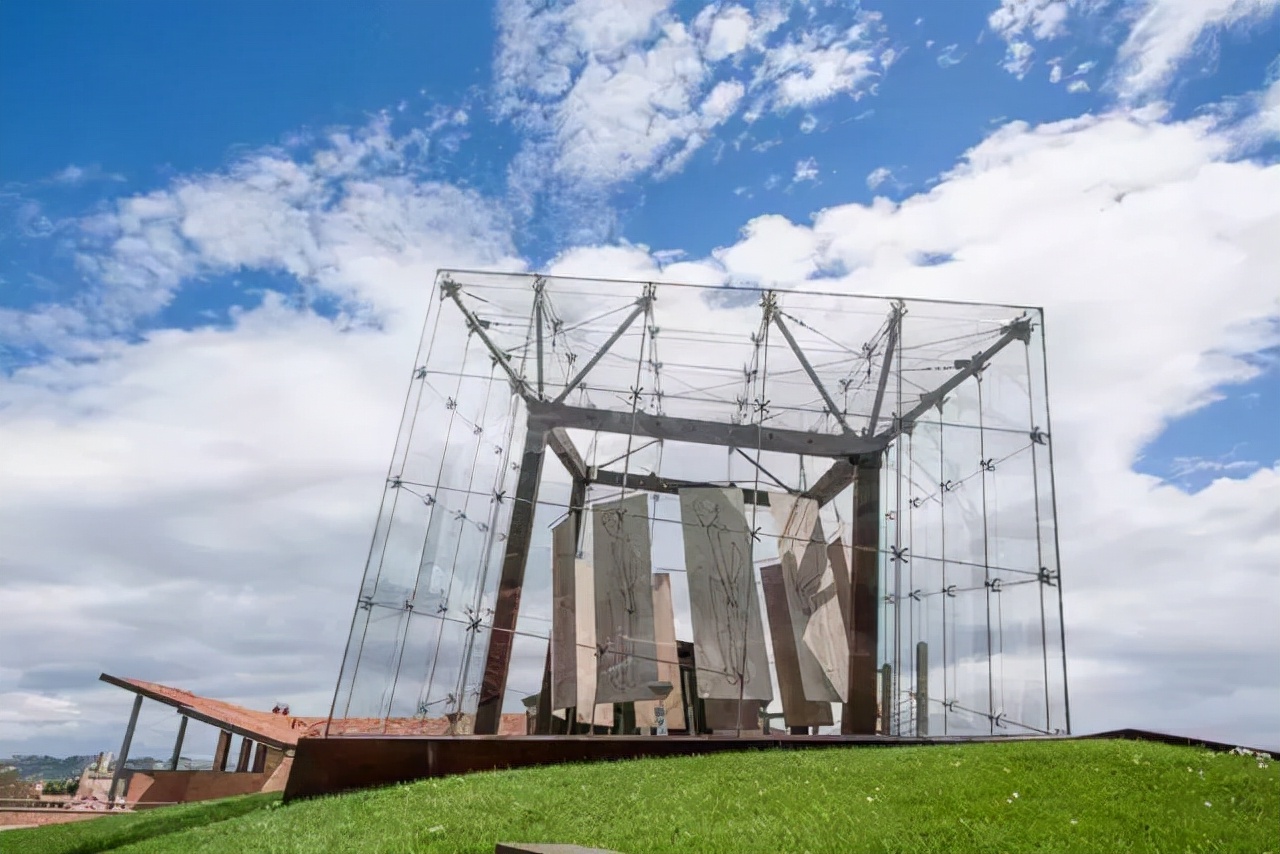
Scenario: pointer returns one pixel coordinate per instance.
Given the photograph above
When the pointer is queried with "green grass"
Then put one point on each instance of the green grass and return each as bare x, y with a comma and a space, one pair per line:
1076, 796
117, 831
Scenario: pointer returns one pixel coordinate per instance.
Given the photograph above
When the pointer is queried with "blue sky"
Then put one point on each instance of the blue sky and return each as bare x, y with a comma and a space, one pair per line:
176, 178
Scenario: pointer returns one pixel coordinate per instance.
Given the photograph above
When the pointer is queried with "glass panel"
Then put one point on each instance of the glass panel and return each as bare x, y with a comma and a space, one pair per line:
667, 385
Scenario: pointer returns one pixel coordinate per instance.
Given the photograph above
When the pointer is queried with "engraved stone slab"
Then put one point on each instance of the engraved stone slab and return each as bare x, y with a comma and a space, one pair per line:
627, 660
564, 621
664, 626
573, 630
822, 643
796, 710
728, 634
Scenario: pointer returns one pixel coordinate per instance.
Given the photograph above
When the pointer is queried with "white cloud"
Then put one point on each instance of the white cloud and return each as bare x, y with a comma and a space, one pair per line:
728, 32
602, 105
1041, 19
878, 176
1076, 87
1017, 58
949, 56
74, 176
818, 65
806, 170
1055, 71
1167, 31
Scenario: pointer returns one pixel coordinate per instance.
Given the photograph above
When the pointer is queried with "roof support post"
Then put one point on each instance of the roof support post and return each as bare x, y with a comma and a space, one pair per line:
246, 752
177, 743
222, 751
124, 750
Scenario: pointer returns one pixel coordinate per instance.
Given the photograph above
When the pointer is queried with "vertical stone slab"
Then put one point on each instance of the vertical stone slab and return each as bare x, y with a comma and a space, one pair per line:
796, 710
585, 650
564, 620
728, 634
627, 660
821, 637
664, 629
733, 716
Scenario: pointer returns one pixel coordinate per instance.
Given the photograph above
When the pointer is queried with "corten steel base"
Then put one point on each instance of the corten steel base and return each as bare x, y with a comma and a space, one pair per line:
324, 766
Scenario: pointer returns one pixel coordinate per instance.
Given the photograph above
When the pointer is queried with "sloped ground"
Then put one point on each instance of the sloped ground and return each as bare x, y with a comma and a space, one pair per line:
1104, 796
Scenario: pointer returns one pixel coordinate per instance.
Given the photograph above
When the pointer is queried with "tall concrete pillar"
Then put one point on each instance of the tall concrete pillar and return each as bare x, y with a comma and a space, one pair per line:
246, 751
260, 759
222, 751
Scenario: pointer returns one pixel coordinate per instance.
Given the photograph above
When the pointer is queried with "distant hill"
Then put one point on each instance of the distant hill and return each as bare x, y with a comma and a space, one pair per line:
35, 768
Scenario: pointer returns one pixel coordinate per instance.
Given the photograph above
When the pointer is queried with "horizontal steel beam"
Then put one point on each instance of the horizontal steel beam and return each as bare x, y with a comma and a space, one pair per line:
549, 415
668, 485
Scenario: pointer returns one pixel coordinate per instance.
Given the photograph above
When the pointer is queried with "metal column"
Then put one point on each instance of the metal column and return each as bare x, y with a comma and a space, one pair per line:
507, 608
124, 749
922, 688
177, 744
859, 716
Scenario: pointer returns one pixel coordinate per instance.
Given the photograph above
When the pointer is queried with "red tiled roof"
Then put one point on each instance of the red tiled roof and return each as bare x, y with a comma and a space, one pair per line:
285, 730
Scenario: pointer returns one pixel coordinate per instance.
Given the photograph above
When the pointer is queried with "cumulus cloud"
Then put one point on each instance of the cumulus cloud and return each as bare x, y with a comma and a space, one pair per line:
817, 65
728, 31
602, 105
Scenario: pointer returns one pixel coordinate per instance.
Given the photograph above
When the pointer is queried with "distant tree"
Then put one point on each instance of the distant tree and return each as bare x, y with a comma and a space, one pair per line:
13, 786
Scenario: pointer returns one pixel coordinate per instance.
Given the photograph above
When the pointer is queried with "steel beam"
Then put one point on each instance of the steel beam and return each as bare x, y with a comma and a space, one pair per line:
451, 290
549, 415
667, 485
562, 446
642, 305
1018, 330
808, 369
507, 607
895, 323
841, 474
833, 481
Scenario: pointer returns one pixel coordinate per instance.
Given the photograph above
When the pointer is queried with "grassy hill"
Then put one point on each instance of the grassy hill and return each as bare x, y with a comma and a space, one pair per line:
1076, 796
